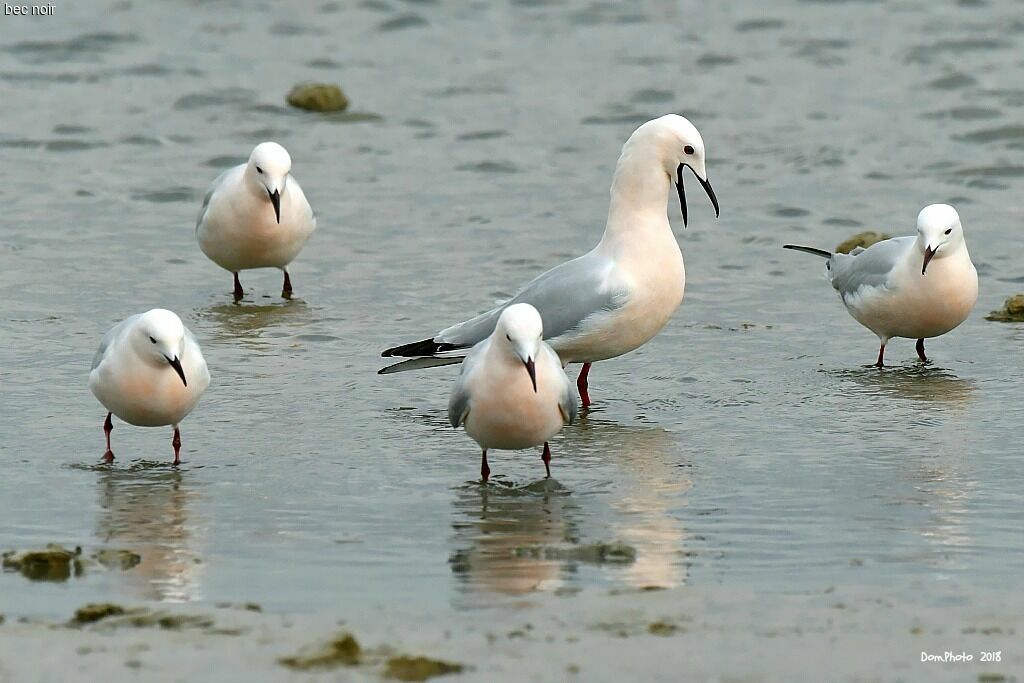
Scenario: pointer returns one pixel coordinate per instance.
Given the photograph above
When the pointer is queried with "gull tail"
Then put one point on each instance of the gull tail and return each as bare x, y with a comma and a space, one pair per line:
808, 250
419, 364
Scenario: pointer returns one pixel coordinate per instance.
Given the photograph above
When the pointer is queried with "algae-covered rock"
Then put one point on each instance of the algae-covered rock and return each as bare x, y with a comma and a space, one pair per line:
93, 612
54, 563
404, 668
661, 628
861, 239
1011, 312
343, 650
169, 621
117, 559
116, 616
322, 97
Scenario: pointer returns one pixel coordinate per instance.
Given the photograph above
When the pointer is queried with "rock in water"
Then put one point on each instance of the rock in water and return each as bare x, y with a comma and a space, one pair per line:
1011, 312
861, 239
322, 97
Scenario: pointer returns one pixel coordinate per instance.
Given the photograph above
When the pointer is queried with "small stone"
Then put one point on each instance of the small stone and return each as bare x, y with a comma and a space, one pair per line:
93, 612
322, 97
405, 668
861, 239
117, 559
55, 563
1011, 312
344, 650
661, 628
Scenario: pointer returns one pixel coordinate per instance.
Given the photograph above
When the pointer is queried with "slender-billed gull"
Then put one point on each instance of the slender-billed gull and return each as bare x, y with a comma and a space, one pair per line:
915, 287
512, 392
255, 215
149, 372
616, 297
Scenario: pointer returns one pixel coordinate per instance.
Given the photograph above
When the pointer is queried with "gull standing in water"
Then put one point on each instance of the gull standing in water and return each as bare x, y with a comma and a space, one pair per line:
149, 372
255, 215
917, 287
512, 392
617, 296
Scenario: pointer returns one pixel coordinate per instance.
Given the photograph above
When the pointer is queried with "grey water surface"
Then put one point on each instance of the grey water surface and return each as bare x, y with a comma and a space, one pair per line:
746, 447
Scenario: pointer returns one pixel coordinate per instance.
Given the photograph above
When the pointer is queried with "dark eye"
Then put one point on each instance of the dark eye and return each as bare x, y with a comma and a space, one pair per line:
259, 170
949, 231
688, 149
152, 340
508, 337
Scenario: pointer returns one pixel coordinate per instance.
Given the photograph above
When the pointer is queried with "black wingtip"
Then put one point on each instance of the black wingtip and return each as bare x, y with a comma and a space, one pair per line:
808, 250
425, 347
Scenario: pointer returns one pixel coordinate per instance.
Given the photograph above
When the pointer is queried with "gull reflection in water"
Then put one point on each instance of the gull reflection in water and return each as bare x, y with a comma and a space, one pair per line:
652, 481
507, 530
244, 323
919, 382
146, 509
516, 540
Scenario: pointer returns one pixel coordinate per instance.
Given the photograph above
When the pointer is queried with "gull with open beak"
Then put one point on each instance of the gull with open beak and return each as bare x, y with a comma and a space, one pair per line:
150, 372
255, 215
918, 287
512, 392
618, 296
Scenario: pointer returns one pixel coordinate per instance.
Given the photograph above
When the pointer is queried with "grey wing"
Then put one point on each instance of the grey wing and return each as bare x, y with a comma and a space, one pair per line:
214, 186
565, 296
109, 338
458, 402
567, 402
869, 267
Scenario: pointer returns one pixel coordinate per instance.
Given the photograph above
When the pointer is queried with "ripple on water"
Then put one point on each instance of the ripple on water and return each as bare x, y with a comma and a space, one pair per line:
952, 81
489, 167
964, 113
166, 196
218, 98
925, 54
79, 48
402, 22
1001, 134
482, 135
72, 145
759, 25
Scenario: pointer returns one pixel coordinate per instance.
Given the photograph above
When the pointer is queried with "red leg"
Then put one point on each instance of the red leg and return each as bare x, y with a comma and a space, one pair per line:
546, 457
286, 291
238, 288
108, 426
881, 353
176, 442
920, 350
485, 471
581, 384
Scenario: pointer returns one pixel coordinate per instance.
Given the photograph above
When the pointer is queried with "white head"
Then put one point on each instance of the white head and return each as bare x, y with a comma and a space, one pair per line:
158, 337
676, 144
520, 332
267, 173
939, 232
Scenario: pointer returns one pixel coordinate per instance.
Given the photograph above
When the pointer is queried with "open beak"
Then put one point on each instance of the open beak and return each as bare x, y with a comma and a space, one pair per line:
682, 194
176, 364
531, 369
275, 199
928, 254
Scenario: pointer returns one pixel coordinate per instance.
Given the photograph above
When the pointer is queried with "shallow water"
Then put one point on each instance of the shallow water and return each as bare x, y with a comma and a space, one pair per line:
746, 446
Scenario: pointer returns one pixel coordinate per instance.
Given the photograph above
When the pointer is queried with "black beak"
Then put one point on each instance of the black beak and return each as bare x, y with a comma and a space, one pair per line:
531, 369
275, 199
682, 194
176, 364
928, 254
